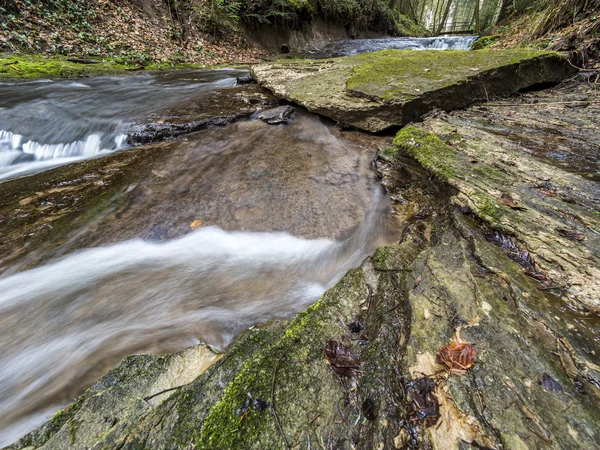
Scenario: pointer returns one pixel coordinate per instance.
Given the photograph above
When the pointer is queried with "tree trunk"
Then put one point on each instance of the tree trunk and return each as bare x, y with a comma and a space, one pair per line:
506, 4
444, 18
476, 17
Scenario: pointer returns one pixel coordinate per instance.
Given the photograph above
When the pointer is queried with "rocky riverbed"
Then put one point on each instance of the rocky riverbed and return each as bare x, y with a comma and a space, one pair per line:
496, 256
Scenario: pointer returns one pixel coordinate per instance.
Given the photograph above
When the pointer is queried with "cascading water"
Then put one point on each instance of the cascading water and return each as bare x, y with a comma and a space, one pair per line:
349, 47
48, 123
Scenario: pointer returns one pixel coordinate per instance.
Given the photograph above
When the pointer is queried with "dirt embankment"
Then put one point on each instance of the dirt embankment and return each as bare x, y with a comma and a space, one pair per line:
135, 31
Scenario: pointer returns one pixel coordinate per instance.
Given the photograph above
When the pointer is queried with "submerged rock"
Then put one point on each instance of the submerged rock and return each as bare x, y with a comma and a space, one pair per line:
244, 80
217, 107
281, 114
390, 88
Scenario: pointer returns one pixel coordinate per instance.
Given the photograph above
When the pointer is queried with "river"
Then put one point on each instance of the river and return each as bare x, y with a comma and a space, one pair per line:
228, 227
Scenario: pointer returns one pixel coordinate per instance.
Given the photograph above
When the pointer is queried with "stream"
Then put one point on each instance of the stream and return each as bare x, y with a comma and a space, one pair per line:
220, 230
285, 212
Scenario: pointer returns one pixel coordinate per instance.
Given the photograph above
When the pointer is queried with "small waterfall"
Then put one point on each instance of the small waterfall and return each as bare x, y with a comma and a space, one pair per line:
452, 43
18, 157
47, 123
349, 47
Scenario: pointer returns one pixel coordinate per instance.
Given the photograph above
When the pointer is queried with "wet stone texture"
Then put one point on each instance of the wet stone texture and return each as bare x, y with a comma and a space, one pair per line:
472, 266
217, 107
390, 88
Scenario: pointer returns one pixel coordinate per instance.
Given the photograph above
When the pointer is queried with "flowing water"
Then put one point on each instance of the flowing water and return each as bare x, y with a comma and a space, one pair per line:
349, 47
46, 123
285, 210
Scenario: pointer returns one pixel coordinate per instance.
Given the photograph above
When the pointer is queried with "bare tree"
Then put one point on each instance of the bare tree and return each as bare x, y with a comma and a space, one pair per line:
442, 23
476, 17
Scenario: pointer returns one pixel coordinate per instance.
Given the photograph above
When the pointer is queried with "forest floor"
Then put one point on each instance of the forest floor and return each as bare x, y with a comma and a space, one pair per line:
580, 39
132, 33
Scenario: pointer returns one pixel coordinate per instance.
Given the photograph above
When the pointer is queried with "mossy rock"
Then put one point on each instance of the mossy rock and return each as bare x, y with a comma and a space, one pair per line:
32, 66
390, 88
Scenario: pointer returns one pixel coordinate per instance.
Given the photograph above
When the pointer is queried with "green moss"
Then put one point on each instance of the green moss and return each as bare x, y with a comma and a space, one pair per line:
402, 75
485, 41
490, 211
55, 424
426, 148
39, 66
302, 340
21, 66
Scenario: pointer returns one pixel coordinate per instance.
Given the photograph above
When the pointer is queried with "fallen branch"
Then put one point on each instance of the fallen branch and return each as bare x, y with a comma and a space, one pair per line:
273, 399
582, 102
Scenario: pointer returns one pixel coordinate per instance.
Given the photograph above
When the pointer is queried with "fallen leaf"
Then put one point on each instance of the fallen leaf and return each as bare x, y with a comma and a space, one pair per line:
417, 281
572, 235
538, 276
458, 357
341, 359
356, 326
426, 406
550, 384
196, 224
507, 200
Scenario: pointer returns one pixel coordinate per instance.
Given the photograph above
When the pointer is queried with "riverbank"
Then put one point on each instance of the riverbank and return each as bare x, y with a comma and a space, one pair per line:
27, 66
359, 367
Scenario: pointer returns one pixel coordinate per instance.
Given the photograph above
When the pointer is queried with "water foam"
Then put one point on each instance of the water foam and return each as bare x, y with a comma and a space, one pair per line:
17, 156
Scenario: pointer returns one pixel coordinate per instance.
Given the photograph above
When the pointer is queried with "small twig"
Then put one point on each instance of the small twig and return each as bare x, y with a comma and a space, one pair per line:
586, 102
370, 301
273, 399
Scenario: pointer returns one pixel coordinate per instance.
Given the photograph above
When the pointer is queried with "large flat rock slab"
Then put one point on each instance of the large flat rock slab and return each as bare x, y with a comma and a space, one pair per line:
530, 172
391, 88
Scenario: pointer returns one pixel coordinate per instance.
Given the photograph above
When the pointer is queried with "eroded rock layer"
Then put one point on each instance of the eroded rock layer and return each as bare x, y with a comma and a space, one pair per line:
390, 88
361, 368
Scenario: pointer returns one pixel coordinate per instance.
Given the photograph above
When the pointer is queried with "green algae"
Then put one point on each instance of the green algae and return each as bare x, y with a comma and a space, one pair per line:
38, 66
484, 42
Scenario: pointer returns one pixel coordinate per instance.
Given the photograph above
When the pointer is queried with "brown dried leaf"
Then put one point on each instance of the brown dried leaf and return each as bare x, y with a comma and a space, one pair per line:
457, 357
195, 224
341, 359
572, 235
417, 281
507, 200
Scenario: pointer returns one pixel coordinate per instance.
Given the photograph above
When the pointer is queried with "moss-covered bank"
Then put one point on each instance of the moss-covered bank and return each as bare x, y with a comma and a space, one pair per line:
30, 66
390, 88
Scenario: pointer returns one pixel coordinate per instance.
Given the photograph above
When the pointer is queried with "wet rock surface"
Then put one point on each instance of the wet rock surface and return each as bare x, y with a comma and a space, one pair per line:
481, 261
390, 88
534, 182
281, 114
215, 108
